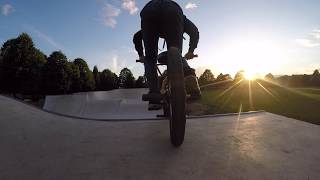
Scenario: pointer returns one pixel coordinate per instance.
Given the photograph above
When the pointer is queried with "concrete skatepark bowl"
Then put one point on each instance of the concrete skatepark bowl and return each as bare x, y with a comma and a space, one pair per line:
36, 144
117, 104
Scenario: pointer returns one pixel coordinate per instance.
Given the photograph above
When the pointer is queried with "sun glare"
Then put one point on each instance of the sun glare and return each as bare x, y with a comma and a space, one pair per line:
254, 55
250, 76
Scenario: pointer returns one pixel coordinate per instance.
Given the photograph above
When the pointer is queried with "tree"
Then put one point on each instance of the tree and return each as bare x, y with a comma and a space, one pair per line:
75, 78
315, 78
108, 80
1, 72
223, 77
126, 78
316, 73
206, 78
269, 77
96, 77
57, 74
141, 82
87, 82
239, 75
21, 65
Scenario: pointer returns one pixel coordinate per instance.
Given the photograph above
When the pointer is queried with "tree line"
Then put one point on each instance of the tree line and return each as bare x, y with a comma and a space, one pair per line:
25, 69
305, 80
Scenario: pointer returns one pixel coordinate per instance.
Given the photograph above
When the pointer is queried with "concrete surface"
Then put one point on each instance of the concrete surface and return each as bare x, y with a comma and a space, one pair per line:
37, 145
115, 104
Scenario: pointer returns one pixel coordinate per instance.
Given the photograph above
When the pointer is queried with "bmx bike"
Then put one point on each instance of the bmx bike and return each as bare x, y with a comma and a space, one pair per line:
173, 99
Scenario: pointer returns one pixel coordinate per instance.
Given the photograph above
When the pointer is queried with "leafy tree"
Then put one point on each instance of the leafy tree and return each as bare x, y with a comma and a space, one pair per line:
57, 74
223, 77
141, 82
1, 72
315, 78
126, 78
21, 65
239, 75
75, 78
96, 76
269, 77
316, 73
206, 78
87, 82
108, 80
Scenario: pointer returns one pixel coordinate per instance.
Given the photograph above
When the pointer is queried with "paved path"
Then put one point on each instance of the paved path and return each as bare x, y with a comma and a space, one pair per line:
38, 145
116, 104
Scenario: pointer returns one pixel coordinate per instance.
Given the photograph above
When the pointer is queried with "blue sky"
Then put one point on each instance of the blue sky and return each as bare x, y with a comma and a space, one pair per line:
260, 36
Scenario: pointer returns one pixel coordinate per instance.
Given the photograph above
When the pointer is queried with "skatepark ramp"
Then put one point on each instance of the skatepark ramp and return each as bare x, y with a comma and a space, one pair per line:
117, 104
39, 145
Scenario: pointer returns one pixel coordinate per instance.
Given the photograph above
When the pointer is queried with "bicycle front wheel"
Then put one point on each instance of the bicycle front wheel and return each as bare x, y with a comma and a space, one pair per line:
177, 97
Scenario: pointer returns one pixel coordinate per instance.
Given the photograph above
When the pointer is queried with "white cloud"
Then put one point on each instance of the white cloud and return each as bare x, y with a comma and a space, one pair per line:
109, 13
313, 39
6, 10
307, 43
116, 60
130, 5
191, 5
316, 34
115, 64
110, 22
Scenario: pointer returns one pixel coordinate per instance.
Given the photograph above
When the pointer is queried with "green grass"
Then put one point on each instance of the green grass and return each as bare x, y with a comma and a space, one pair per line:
298, 103
311, 92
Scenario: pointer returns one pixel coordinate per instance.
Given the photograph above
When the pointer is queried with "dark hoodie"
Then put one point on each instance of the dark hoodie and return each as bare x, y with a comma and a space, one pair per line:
189, 28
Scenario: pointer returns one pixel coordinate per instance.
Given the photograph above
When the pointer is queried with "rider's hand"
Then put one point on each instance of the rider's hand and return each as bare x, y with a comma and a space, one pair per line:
190, 55
141, 58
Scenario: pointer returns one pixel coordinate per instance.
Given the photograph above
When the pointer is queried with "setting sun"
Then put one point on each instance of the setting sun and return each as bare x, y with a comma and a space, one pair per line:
250, 76
257, 55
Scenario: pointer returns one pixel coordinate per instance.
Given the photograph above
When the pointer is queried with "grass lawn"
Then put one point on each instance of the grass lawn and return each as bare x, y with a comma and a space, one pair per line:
298, 103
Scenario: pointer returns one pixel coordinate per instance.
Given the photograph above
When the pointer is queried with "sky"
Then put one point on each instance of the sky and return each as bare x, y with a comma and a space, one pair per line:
258, 36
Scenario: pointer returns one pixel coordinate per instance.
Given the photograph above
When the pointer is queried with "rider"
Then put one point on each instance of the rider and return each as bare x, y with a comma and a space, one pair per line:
165, 19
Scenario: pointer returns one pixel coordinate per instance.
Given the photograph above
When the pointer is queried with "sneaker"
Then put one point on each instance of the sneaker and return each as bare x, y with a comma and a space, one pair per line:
154, 107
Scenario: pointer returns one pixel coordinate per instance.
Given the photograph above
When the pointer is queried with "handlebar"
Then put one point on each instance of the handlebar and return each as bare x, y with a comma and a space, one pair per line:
142, 61
194, 56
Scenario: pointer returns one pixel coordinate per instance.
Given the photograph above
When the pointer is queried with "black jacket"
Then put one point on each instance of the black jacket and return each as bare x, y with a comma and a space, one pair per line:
189, 28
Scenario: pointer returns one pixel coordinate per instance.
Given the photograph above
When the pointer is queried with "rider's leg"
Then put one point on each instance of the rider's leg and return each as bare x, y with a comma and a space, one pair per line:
150, 31
173, 25
149, 25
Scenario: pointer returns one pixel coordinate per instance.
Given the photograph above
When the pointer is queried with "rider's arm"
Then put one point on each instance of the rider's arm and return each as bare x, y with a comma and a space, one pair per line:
137, 40
193, 32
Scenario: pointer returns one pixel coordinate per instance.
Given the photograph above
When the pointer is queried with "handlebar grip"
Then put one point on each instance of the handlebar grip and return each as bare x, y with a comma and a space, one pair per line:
139, 61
